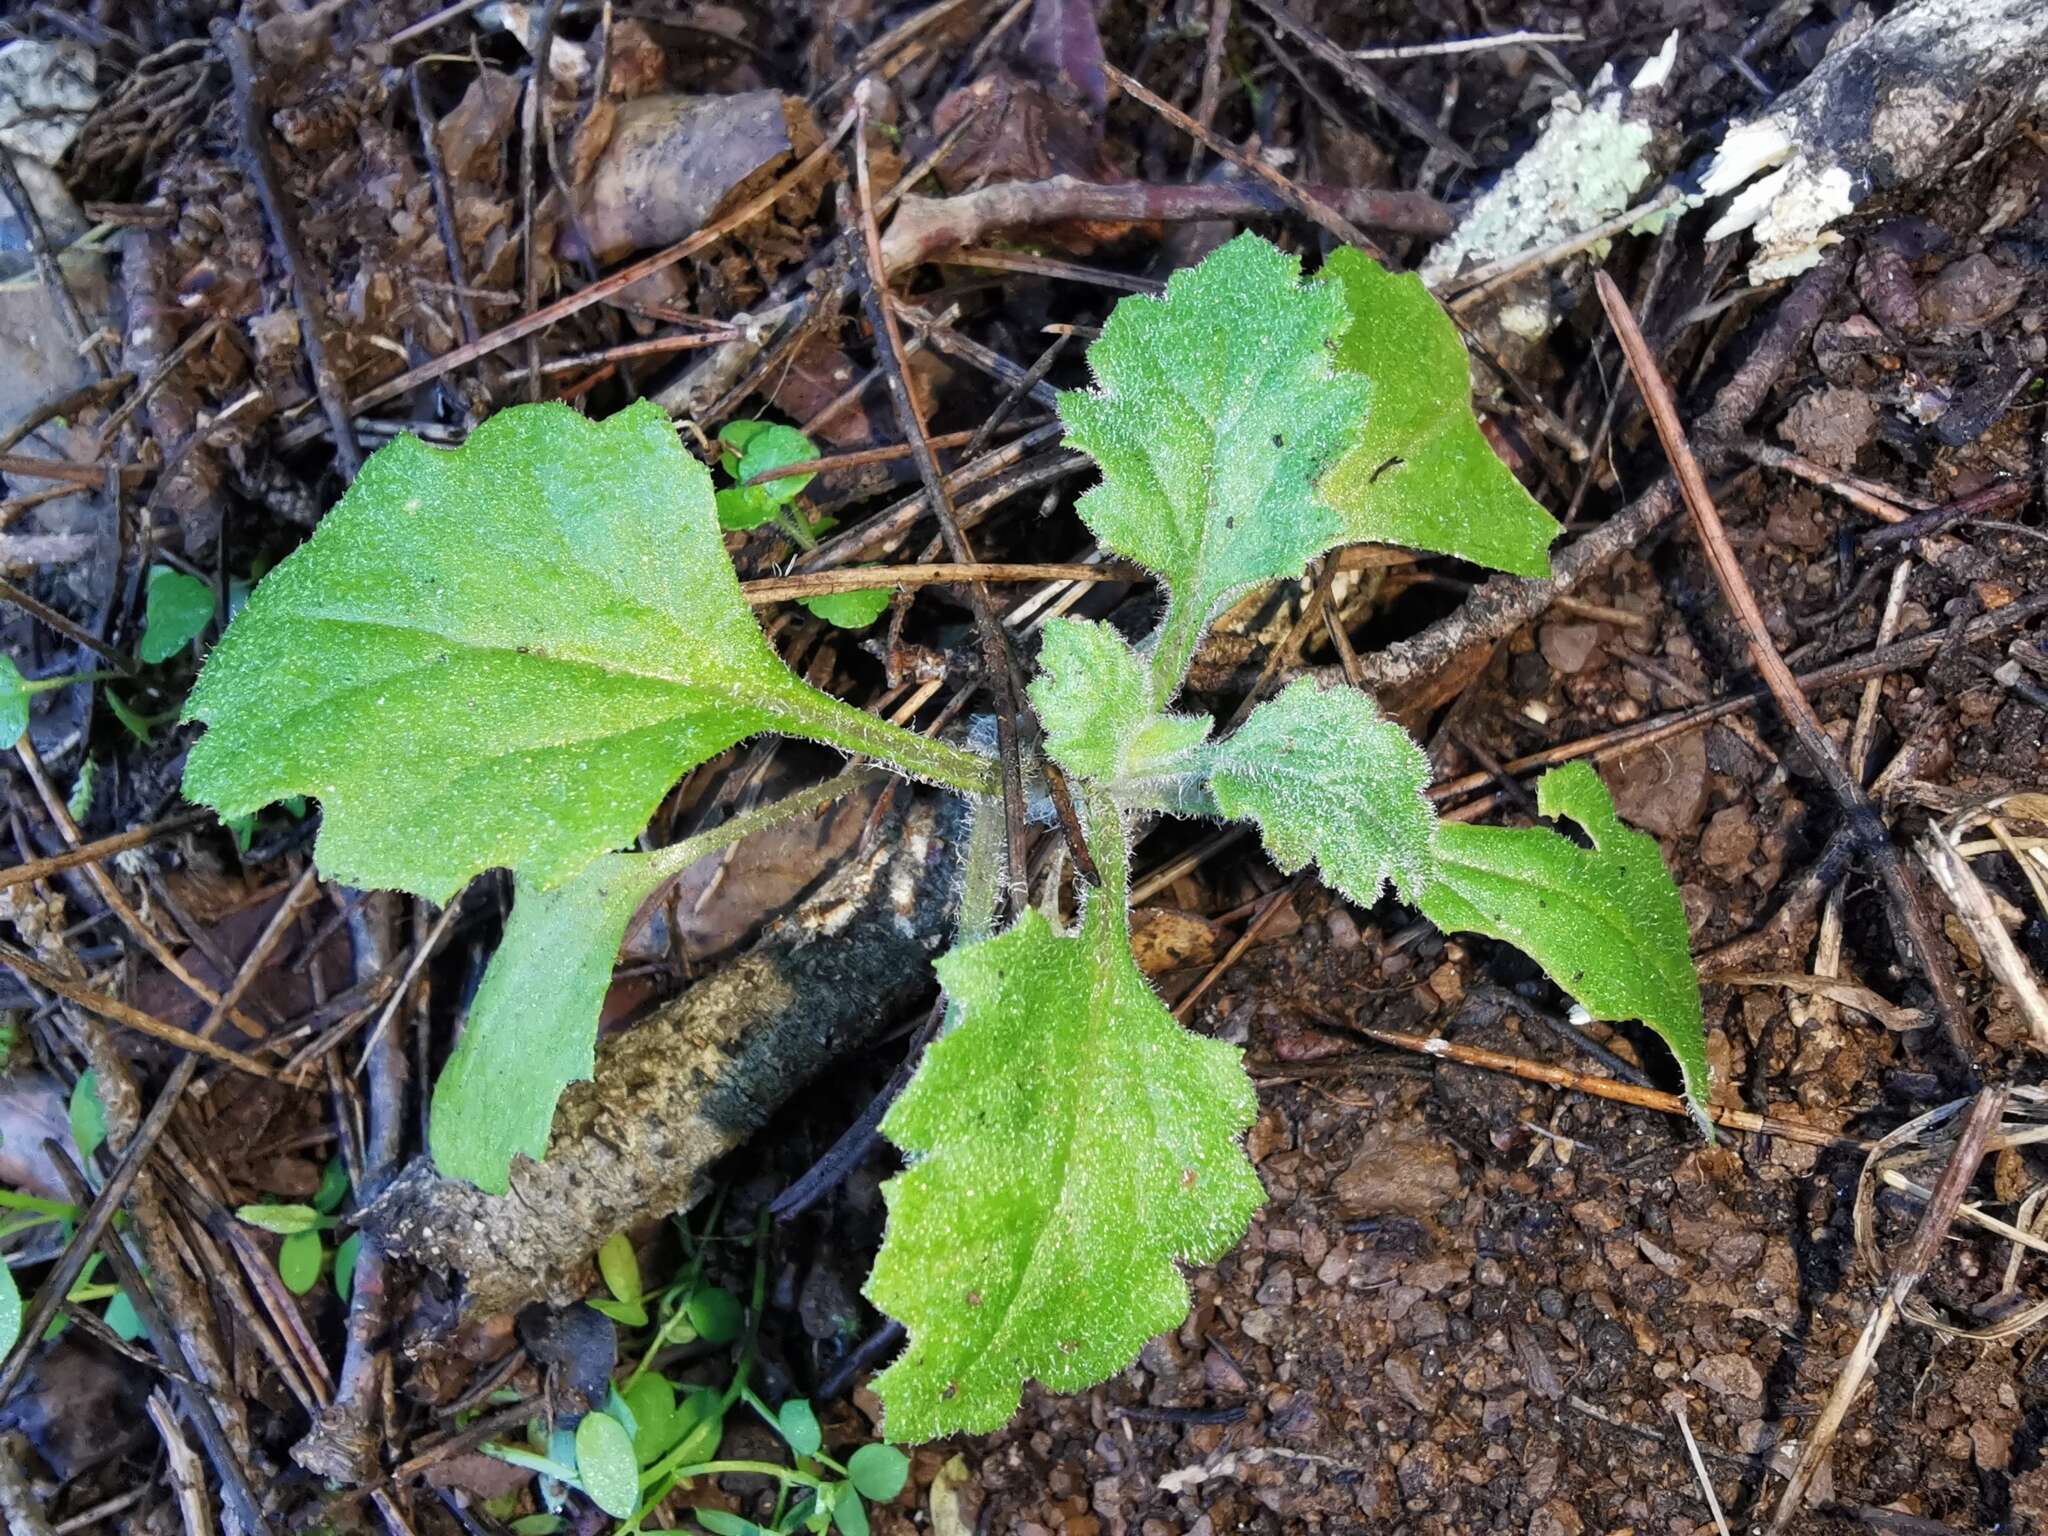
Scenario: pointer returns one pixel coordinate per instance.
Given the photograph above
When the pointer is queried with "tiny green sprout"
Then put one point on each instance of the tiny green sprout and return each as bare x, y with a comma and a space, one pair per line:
1069, 1147
176, 611
16, 691
749, 450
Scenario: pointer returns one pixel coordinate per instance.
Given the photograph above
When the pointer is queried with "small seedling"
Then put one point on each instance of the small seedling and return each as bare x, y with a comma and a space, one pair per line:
505, 656
16, 691
302, 1254
751, 449
176, 610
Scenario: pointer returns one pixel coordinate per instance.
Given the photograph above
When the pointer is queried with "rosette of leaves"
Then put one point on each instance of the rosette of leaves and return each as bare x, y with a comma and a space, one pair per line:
503, 656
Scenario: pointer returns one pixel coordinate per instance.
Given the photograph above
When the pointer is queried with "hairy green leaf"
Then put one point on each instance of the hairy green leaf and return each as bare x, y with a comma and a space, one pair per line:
1326, 778
1605, 922
1069, 1144
175, 612
1422, 473
504, 655
766, 445
532, 1028
1095, 702
1216, 410
605, 1467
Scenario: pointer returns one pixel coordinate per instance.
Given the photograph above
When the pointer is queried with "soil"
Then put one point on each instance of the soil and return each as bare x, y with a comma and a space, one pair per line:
1473, 1302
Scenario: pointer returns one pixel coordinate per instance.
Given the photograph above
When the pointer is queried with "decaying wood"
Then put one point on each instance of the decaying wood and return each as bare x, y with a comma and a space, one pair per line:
696, 1079
1891, 107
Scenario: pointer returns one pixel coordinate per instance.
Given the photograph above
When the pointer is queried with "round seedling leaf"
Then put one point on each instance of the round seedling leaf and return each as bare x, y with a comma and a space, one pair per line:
298, 1261
714, 1313
620, 1267
88, 1120
772, 447
333, 1187
14, 697
849, 1514
655, 1423
851, 610
799, 1426
605, 1466
878, 1471
345, 1264
10, 1309
123, 1319
177, 610
719, 1523
536, 1525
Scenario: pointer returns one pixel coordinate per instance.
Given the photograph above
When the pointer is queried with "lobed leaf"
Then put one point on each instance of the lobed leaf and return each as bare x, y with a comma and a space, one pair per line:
1605, 922
1095, 702
504, 655
1422, 473
851, 610
1326, 778
1216, 409
1069, 1144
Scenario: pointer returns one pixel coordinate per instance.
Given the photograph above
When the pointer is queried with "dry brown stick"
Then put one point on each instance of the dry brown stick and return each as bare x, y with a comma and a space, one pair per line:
786, 589
69, 403
886, 454
1647, 733
1606, 1088
1992, 498
86, 476
1504, 604
1261, 920
531, 128
115, 1011
1211, 95
1367, 83
995, 645
170, 1348
77, 634
925, 226
233, 43
1970, 1147
444, 205
47, 268
1297, 197
342, 1444
1916, 925
1880, 501
604, 288
110, 893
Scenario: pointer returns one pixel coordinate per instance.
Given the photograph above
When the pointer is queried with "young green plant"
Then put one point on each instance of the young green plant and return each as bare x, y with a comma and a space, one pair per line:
504, 656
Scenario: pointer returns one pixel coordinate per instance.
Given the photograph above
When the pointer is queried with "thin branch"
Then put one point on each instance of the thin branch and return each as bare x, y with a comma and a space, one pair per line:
788, 589
1935, 1221
994, 644
233, 43
596, 293
1916, 925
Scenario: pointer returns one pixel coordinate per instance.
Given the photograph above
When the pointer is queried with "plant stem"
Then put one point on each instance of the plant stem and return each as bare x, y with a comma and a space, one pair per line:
821, 717
47, 684
1173, 649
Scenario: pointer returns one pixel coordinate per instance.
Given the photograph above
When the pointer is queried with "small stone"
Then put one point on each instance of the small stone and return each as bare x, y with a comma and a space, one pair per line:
1263, 1324
1729, 1376
1556, 1517
1730, 839
1969, 294
1661, 789
1831, 427
1278, 1289
1569, 647
1399, 1170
